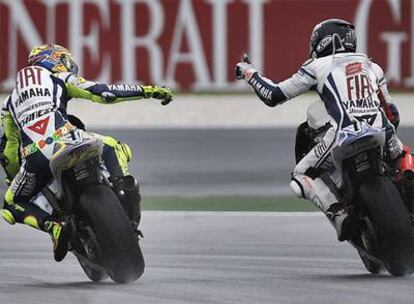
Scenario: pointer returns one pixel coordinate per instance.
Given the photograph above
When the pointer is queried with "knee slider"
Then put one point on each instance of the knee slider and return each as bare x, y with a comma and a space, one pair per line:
297, 188
8, 216
9, 197
124, 155
126, 149
6, 212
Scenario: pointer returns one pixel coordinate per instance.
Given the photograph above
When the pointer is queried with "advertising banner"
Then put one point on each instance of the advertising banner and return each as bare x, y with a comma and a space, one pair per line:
193, 45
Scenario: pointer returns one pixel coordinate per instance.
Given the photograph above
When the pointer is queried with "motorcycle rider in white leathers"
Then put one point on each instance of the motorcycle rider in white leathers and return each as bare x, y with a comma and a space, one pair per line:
352, 88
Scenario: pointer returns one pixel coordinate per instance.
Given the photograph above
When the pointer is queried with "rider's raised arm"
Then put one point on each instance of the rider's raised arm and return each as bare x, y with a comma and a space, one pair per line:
273, 94
79, 87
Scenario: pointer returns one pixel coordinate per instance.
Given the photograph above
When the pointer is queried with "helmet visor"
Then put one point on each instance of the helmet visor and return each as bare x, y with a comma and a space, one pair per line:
70, 65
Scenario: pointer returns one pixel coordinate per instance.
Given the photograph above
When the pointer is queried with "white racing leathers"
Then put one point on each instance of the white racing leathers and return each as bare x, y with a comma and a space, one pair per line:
352, 88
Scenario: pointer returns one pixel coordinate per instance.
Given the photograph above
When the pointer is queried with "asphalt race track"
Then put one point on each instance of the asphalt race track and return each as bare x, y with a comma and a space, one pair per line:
189, 162
194, 162
211, 161
207, 258
215, 161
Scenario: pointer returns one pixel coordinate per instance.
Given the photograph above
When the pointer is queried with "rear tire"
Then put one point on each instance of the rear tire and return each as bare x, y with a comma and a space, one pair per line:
391, 222
120, 253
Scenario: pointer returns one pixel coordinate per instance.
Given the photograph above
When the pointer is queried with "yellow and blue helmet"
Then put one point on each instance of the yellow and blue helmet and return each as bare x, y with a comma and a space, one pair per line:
53, 57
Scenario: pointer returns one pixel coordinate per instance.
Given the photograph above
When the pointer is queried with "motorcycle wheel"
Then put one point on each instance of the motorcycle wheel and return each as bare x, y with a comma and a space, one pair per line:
390, 219
120, 252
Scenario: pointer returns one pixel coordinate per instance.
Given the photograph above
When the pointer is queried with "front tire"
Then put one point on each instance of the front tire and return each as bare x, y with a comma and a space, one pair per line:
390, 219
120, 253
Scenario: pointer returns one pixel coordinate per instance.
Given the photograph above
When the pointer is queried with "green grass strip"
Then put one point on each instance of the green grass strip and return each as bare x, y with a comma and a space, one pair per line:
226, 203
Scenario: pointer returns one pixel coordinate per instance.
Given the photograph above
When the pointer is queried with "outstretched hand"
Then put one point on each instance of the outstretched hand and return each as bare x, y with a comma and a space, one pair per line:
244, 69
157, 92
163, 93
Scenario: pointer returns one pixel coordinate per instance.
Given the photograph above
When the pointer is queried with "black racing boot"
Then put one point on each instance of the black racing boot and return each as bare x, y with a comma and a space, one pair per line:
127, 190
343, 219
60, 233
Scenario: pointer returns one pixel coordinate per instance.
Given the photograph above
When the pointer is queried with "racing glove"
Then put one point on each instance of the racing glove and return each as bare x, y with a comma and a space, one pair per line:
157, 92
244, 69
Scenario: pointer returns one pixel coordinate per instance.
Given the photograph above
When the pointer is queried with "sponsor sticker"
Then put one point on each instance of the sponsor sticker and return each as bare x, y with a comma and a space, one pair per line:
40, 126
353, 68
